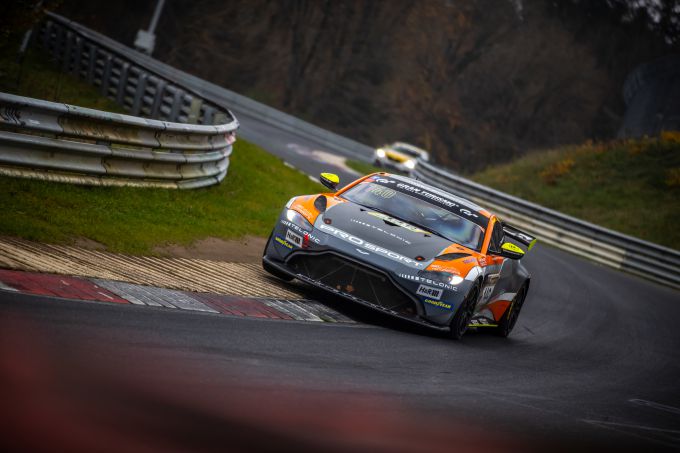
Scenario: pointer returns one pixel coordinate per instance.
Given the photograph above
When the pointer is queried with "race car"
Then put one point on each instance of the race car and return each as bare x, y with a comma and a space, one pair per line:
399, 156
405, 248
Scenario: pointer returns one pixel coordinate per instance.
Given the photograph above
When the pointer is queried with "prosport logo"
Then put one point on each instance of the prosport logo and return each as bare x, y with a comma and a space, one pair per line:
372, 247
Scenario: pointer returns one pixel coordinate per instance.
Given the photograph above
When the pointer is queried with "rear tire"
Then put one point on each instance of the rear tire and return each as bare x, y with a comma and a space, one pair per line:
461, 320
509, 318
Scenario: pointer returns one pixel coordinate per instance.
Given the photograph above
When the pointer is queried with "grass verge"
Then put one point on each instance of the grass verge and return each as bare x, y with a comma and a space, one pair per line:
631, 186
133, 220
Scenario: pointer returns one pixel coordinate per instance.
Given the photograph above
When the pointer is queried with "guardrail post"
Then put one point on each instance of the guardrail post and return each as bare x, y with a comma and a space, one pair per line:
122, 80
66, 56
208, 113
176, 104
77, 58
194, 110
139, 93
106, 74
158, 98
91, 63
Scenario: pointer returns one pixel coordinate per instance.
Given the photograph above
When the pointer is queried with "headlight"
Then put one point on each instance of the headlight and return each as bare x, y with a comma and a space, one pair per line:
443, 277
299, 220
410, 164
455, 279
380, 152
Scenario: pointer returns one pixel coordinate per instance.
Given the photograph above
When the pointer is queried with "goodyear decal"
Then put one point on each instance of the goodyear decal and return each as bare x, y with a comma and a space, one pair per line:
283, 242
394, 256
438, 303
428, 291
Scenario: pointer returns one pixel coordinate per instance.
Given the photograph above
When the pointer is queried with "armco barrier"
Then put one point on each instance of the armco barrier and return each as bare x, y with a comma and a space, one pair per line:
149, 87
60, 142
599, 244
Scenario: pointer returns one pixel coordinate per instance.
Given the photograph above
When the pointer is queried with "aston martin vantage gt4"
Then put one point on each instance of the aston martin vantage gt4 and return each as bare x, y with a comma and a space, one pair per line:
406, 248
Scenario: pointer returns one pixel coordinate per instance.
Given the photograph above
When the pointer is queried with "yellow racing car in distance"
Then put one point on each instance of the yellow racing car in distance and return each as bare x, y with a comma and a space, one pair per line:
399, 156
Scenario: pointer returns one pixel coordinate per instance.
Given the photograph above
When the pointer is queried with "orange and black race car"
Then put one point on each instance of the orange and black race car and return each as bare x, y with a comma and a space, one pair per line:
406, 248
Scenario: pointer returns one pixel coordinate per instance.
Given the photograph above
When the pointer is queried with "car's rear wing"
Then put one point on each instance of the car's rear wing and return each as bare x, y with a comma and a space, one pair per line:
519, 235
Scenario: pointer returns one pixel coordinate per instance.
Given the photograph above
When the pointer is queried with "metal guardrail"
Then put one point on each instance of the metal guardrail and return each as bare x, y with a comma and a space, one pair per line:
61, 142
132, 84
596, 243
151, 88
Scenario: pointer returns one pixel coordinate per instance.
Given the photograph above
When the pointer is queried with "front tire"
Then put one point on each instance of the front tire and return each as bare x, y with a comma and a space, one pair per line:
461, 320
510, 316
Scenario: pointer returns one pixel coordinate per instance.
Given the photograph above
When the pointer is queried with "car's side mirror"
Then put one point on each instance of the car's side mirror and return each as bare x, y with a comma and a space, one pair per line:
329, 180
510, 250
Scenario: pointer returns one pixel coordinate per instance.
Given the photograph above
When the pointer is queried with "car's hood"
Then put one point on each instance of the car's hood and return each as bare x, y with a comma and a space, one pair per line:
385, 231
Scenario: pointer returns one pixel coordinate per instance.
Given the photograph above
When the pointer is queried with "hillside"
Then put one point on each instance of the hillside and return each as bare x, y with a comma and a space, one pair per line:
631, 186
479, 83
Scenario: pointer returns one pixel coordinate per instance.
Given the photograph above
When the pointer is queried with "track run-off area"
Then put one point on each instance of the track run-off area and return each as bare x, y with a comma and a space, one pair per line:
594, 360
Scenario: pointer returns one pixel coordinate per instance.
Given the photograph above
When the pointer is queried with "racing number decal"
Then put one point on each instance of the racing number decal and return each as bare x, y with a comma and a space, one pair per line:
489, 285
293, 238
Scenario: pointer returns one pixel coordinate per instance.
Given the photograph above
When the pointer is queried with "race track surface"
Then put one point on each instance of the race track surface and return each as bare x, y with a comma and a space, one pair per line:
593, 359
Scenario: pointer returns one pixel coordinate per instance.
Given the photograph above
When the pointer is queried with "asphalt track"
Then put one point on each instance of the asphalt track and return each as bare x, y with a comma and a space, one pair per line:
593, 361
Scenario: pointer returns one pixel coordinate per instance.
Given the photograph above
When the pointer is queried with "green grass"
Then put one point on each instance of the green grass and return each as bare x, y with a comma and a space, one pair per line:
629, 186
133, 220
363, 167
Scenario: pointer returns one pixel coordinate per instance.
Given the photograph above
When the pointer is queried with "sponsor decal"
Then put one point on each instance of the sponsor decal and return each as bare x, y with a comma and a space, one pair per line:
283, 242
301, 231
293, 238
438, 303
428, 281
370, 247
440, 267
368, 225
469, 260
428, 291
397, 222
